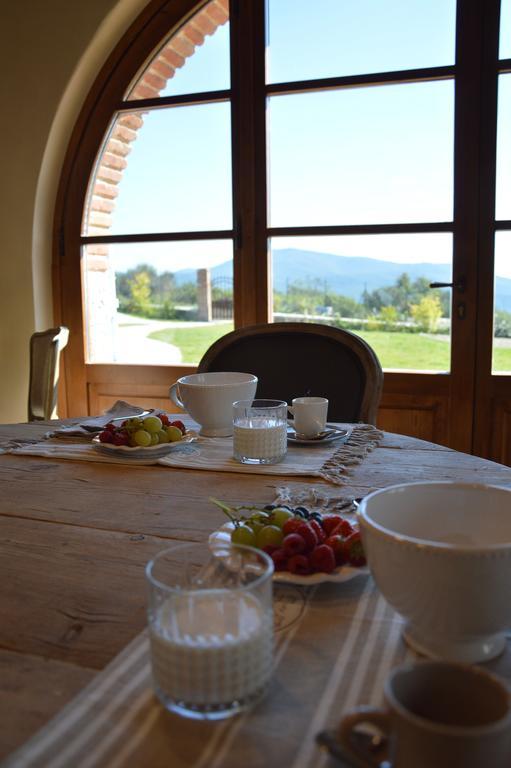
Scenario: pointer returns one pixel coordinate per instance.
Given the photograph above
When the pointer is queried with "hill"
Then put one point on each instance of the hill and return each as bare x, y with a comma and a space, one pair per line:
347, 275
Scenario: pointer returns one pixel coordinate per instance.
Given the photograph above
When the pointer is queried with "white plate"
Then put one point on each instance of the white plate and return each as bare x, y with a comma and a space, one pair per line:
137, 451
333, 433
341, 574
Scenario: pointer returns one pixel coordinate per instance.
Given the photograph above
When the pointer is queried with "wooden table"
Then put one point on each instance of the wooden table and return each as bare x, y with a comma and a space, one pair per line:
75, 539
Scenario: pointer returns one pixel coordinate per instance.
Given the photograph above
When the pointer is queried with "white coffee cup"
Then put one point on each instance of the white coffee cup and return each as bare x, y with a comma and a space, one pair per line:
208, 398
309, 415
439, 714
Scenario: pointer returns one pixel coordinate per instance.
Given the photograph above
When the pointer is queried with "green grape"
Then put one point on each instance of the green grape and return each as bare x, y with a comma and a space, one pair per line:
174, 434
132, 425
269, 535
259, 517
279, 516
256, 525
155, 438
242, 534
141, 437
152, 424
162, 436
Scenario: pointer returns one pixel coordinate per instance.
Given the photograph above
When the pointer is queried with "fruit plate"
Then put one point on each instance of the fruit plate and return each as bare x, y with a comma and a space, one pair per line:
137, 452
330, 433
341, 574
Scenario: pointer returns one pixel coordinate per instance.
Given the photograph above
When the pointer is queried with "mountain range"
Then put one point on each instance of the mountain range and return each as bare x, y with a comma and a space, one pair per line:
346, 275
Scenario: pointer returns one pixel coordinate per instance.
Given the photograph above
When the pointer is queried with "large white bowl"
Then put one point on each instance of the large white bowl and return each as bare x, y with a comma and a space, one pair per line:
208, 398
440, 553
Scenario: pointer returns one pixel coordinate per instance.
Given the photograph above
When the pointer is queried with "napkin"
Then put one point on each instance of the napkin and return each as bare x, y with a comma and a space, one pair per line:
90, 426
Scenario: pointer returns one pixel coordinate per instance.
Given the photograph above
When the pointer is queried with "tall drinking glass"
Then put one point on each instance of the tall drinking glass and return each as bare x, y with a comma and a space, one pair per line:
210, 627
260, 431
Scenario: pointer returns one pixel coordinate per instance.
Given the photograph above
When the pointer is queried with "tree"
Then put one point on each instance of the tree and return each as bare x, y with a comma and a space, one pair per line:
427, 313
140, 289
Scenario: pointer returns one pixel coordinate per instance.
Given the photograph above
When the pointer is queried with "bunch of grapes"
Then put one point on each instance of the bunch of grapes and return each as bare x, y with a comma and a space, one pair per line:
297, 540
143, 432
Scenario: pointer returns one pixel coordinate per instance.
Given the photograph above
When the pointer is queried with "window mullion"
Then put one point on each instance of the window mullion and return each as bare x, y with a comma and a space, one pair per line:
251, 278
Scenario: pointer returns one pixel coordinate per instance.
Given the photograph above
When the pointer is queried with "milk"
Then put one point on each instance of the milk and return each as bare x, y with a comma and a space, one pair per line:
260, 438
211, 648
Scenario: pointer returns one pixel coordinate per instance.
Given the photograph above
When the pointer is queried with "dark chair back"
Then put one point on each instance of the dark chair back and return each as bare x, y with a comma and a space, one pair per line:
297, 359
45, 349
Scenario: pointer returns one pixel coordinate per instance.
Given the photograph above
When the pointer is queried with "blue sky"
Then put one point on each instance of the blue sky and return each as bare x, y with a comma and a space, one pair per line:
370, 155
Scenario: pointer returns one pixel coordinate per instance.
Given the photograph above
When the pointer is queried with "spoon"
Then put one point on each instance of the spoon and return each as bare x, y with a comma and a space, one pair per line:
328, 741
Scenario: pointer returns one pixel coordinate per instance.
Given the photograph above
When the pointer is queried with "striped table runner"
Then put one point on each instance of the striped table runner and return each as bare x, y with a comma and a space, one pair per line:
334, 646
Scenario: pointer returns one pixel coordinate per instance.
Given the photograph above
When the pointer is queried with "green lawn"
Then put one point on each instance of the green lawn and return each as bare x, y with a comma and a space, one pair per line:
192, 341
395, 350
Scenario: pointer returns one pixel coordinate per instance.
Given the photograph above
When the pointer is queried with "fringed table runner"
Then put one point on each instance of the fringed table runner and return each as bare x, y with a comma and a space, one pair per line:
329, 461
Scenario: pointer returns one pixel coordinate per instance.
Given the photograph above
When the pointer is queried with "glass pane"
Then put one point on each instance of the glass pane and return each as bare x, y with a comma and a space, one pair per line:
502, 317
505, 30
168, 170
193, 60
503, 190
376, 286
156, 303
332, 38
363, 155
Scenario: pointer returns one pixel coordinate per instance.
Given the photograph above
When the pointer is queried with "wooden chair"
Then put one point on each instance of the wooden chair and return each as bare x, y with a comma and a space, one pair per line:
45, 349
296, 359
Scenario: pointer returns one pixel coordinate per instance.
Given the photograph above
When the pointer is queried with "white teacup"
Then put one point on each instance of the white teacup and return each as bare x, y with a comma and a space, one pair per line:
208, 398
437, 714
309, 415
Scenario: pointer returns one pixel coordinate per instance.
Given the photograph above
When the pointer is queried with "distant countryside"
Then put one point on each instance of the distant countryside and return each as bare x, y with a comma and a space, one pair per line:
406, 322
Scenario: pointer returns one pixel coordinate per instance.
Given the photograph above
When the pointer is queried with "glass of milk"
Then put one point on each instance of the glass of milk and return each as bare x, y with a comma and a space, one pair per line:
210, 618
260, 431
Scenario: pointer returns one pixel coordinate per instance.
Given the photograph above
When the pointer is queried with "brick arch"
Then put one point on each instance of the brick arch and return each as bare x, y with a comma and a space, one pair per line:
161, 69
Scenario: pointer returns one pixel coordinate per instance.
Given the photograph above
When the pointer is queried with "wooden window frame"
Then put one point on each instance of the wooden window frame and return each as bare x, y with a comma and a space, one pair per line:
473, 225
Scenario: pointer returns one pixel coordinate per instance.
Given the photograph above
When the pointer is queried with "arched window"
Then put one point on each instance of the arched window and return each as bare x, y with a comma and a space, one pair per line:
259, 161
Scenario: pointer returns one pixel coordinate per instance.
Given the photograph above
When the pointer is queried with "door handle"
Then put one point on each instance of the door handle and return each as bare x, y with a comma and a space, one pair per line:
460, 285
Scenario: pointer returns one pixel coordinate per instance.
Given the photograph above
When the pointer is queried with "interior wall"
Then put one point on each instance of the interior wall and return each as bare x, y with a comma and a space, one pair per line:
50, 54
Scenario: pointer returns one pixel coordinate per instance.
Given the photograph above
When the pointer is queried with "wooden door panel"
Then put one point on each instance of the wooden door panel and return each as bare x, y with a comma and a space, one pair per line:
418, 416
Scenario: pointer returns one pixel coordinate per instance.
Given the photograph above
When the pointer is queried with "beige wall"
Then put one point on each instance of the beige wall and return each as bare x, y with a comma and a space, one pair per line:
50, 52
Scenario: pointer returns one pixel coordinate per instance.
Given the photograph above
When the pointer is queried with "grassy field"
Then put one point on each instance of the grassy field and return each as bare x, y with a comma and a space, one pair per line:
410, 351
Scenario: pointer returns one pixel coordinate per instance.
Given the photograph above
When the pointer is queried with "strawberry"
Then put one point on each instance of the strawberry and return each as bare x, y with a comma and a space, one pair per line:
164, 419
344, 528
353, 549
106, 436
179, 425
299, 564
318, 530
120, 437
291, 525
280, 560
293, 544
336, 544
330, 522
322, 559
309, 536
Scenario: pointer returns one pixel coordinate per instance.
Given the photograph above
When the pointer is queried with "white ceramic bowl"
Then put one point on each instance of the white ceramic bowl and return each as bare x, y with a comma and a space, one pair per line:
208, 398
440, 553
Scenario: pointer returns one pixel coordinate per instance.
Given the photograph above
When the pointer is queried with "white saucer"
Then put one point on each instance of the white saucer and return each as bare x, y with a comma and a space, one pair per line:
341, 574
331, 432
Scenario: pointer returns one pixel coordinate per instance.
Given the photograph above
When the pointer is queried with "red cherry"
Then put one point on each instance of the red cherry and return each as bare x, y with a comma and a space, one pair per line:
106, 436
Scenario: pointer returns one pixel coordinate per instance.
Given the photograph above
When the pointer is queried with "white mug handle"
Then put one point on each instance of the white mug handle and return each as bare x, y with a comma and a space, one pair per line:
175, 397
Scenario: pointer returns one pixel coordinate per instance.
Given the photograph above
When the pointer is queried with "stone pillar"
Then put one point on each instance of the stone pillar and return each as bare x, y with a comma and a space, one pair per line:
204, 295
